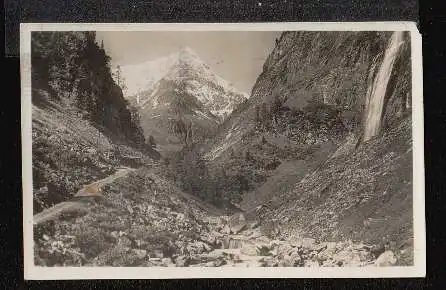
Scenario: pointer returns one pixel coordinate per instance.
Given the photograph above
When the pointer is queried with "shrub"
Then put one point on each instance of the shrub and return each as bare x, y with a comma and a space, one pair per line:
263, 251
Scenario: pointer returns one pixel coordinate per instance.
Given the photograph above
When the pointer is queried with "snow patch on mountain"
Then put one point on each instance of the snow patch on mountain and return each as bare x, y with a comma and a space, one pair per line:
196, 77
142, 76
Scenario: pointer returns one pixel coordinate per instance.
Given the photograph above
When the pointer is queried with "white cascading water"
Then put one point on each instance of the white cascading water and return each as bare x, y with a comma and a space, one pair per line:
377, 91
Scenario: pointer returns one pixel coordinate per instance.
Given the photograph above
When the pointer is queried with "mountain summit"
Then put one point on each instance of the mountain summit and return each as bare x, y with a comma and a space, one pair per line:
214, 93
179, 86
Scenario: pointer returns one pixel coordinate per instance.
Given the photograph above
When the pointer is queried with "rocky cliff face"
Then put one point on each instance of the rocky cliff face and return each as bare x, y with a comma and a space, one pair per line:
307, 111
335, 68
320, 79
330, 68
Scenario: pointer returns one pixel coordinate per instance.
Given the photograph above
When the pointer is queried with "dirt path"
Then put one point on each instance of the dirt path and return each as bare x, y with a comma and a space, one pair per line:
79, 202
121, 172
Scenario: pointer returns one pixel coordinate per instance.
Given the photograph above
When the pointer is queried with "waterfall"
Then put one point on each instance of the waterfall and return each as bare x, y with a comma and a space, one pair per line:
377, 89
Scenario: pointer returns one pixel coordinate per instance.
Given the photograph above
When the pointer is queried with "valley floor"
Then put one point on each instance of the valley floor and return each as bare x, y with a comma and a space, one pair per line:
142, 220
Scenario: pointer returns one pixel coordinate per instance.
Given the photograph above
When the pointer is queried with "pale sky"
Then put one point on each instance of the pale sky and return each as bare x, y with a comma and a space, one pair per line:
237, 57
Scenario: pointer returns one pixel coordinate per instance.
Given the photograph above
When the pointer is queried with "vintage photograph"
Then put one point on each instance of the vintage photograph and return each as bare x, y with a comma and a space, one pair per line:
205, 148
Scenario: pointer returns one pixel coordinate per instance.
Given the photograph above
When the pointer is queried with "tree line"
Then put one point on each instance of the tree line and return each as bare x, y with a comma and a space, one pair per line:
76, 73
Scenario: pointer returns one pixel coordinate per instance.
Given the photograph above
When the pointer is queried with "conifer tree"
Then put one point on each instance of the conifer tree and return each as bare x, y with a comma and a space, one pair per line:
151, 142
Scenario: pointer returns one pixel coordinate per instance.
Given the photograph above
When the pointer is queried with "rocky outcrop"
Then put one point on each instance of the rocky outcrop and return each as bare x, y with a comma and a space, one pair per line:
334, 68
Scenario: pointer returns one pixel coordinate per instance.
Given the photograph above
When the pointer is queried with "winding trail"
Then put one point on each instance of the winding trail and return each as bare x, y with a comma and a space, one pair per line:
79, 202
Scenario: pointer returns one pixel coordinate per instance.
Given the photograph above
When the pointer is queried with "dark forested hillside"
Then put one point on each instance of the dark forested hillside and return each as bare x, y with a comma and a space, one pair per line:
73, 70
82, 125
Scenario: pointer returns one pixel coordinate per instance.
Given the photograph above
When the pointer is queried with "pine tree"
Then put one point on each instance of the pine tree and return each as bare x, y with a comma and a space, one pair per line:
275, 107
180, 129
265, 115
119, 78
151, 142
247, 155
189, 134
231, 153
257, 115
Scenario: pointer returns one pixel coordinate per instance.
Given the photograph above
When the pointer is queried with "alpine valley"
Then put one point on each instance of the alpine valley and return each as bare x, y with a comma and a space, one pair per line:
312, 168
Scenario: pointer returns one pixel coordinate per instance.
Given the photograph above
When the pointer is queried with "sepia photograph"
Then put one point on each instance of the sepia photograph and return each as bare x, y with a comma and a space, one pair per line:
222, 150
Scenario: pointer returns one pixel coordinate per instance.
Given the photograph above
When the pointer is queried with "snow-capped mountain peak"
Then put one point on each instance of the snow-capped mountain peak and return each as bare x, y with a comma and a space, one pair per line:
196, 77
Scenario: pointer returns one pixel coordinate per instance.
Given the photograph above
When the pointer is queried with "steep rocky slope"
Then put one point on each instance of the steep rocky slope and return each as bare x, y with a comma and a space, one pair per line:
311, 102
72, 70
82, 127
361, 194
313, 91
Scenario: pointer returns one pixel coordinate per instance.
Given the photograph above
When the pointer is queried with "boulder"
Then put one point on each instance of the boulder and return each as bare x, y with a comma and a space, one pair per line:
285, 263
237, 223
156, 254
284, 250
254, 225
311, 263
182, 261
210, 264
198, 247
226, 230
267, 261
166, 261
249, 250
220, 262
355, 260
308, 243
141, 254
295, 259
180, 217
386, 259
